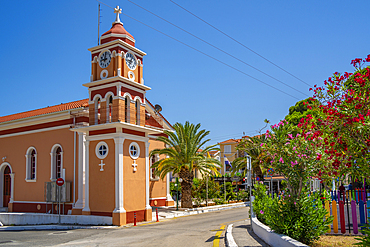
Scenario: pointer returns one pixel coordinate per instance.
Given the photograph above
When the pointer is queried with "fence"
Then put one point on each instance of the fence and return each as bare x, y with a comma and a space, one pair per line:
350, 210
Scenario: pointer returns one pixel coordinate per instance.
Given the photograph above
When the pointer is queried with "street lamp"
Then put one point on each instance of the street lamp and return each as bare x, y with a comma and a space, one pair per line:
177, 187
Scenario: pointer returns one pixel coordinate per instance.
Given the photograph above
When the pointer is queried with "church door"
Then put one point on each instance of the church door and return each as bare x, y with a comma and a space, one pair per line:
7, 184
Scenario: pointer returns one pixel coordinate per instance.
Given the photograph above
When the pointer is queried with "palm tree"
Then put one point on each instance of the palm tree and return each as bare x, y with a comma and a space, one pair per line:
252, 147
183, 157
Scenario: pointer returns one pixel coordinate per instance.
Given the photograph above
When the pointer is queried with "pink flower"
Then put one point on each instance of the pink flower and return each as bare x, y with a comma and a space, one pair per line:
281, 160
261, 144
295, 203
290, 136
261, 212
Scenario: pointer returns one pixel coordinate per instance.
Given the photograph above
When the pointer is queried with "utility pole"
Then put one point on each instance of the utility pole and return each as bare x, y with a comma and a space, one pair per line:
207, 191
225, 180
249, 183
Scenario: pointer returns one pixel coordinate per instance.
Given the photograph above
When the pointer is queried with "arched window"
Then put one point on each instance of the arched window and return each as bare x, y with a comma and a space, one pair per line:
109, 109
153, 159
127, 109
56, 162
31, 164
137, 110
97, 110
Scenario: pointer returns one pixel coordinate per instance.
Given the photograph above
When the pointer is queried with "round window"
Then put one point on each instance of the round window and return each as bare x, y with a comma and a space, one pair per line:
134, 150
101, 150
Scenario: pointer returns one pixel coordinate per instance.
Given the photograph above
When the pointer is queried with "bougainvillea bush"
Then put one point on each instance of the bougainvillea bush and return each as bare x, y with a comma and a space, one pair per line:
333, 141
343, 121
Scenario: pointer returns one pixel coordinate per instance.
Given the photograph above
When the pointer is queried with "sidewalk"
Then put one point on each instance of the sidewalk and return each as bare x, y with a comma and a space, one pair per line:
243, 235
171, 212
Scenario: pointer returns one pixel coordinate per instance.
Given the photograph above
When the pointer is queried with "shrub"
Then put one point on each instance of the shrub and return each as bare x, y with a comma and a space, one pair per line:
242, 195
299, 218
219, 201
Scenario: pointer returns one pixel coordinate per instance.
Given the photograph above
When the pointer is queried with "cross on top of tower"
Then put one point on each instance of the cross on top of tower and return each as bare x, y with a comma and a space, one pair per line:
117, 11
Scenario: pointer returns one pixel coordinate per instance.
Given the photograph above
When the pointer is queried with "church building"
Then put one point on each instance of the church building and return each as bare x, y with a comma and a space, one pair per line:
99, 146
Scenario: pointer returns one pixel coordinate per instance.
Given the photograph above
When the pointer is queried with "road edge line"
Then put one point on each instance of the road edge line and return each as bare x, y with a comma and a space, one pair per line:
230, 242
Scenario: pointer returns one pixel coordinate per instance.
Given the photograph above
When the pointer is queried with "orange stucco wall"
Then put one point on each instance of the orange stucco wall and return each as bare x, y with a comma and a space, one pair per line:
101, 183
15, 147
134, 182
157, 188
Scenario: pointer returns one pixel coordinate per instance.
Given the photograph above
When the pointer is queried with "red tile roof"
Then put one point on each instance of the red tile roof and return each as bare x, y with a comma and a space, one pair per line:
230, 141
46, 110
158, 112
118, 29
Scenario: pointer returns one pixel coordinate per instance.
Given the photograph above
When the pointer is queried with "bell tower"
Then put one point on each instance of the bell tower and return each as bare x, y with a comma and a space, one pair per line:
116, 88
117, 138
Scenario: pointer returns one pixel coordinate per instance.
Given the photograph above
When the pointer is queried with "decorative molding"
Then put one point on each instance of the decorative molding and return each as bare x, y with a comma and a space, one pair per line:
36, 131
115, 43
30, 180
116, 78
131, 75
118, 84
67, 203
104, 74
96, 96
117, 35
158, 198
134, 144
101, 157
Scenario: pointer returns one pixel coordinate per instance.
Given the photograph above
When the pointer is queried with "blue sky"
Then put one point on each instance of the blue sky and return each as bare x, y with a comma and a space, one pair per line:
45, 59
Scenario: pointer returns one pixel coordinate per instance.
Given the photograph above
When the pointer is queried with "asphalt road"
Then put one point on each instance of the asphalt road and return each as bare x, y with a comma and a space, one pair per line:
196, 230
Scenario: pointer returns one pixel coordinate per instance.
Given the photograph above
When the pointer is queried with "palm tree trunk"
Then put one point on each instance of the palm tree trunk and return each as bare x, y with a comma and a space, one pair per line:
186, 186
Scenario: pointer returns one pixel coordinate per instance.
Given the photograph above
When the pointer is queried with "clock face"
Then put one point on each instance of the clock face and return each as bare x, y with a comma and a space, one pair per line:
131, 61
104, 59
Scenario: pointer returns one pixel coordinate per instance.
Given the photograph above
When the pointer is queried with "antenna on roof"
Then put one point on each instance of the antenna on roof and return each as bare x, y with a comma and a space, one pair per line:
99, 9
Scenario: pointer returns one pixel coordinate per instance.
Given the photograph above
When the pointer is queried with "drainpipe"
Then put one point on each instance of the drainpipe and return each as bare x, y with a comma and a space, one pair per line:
74, 162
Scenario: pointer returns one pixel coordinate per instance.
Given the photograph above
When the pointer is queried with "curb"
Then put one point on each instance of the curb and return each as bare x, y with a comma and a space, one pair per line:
230, 242
51, 227
273, 239
205, 209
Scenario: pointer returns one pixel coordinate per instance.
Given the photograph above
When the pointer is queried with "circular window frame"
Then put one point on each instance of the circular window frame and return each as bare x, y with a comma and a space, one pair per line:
103, 74
97, 150
137, 149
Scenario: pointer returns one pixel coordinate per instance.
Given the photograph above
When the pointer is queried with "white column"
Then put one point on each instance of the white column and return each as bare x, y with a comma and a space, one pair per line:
147, 205
168, 196
12, 188
81, 164
86, 208
119, 175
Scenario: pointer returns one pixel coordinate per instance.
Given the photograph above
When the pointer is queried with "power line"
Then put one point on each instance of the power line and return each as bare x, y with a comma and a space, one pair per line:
240, 43
205, 54
223, 51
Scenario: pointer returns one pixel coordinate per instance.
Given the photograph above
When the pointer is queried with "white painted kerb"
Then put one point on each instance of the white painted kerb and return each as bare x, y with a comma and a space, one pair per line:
8, 219
272, 238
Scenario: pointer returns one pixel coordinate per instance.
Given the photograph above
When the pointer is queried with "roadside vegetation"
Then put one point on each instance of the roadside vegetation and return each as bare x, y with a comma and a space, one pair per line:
326, 137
